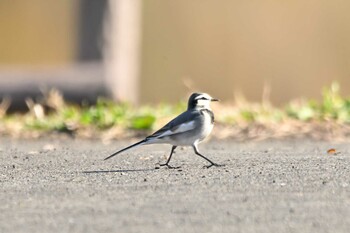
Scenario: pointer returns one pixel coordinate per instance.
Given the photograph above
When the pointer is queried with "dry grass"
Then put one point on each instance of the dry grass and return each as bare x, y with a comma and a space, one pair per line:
327, 119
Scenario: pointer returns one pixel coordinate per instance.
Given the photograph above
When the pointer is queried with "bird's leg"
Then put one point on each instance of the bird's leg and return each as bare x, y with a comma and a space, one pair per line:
211, 162
167, 162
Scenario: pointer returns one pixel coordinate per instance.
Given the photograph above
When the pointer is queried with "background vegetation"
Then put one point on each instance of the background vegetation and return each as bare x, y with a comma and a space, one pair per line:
238, 119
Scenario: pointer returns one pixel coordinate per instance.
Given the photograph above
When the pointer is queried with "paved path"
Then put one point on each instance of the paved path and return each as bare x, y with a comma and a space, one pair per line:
62, 185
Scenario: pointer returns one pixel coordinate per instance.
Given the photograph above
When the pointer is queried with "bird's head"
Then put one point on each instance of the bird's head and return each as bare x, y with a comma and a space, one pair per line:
200, 100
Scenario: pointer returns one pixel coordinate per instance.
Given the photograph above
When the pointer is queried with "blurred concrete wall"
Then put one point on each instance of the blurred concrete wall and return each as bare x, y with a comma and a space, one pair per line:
296, 47
221, 46
38, 32
48, 44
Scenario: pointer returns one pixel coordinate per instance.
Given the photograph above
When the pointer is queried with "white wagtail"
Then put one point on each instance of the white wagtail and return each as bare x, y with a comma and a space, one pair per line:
188, 129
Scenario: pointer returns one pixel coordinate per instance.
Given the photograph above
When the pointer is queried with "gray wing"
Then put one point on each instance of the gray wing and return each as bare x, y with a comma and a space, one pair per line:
182, 123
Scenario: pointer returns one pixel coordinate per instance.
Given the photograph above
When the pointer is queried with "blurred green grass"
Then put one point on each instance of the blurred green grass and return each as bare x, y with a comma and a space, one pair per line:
53, 114
332, 107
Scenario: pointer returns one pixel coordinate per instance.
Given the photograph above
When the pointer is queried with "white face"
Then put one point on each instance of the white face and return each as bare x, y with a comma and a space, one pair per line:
204, 100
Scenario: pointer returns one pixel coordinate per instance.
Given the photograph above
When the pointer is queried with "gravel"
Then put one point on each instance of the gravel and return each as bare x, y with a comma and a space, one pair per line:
63, 185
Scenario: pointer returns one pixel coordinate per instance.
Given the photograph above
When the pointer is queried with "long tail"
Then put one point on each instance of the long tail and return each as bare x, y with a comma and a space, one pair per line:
126, 148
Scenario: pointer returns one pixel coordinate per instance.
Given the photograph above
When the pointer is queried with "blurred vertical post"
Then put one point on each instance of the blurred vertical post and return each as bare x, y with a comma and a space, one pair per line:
122, 50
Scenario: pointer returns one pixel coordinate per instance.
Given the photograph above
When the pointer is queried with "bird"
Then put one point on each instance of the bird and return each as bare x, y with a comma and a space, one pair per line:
188, 129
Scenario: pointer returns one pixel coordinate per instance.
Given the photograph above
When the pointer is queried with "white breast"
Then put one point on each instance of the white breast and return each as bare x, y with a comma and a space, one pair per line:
207, 127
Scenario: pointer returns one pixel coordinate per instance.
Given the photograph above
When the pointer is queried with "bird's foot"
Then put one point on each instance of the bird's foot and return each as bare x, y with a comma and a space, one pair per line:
168, 166
214, 164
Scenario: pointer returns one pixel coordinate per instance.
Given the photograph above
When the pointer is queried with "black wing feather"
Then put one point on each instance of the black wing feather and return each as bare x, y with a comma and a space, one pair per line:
175, 123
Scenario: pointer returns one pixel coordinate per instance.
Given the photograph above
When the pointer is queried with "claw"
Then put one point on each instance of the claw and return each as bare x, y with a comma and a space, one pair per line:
170, 167
215, 165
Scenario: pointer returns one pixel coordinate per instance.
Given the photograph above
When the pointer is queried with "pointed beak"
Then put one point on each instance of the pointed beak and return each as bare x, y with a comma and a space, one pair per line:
213, 99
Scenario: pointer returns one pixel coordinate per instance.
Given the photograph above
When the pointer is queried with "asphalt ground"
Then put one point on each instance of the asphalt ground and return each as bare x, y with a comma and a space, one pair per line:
63, 185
